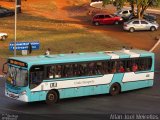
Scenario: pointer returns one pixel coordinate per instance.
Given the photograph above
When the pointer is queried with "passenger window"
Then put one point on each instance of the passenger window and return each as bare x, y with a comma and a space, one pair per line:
125, 12
107, 16
144, 22
51, 71
113, 66
36, 75
96, 16
135, 22
101, 16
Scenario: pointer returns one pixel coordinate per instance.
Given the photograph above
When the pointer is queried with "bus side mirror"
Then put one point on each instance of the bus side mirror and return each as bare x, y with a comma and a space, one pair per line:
4, 70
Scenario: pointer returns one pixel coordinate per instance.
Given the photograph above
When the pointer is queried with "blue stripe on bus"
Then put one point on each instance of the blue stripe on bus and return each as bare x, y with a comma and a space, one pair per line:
117, 78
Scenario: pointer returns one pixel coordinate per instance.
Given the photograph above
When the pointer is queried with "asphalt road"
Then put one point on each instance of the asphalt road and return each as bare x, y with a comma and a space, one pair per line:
145, 101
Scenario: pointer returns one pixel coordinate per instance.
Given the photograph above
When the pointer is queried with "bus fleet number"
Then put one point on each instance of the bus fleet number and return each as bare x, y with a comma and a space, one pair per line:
53, 85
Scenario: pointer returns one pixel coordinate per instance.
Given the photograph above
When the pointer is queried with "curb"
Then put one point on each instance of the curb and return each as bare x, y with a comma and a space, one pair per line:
93, 3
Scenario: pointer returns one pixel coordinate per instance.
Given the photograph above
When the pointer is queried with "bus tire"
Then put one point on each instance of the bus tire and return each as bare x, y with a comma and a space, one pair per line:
52, 97
115, 89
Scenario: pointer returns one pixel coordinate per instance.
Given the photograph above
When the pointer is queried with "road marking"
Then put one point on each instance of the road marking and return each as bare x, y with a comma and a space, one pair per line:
158, 42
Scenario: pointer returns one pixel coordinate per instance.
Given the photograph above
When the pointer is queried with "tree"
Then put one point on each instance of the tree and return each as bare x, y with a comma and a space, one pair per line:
132, 4
118, 3
105, 2
142, 5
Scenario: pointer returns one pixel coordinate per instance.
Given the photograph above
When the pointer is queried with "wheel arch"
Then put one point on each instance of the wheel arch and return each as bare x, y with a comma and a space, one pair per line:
52, 96
55, 91
152, 26
118, 83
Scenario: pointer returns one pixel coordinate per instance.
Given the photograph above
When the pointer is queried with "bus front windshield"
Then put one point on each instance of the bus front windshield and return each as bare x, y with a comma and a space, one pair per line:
17, 76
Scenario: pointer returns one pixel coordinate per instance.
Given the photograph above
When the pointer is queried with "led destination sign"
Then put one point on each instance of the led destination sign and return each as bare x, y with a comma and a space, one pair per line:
18, 63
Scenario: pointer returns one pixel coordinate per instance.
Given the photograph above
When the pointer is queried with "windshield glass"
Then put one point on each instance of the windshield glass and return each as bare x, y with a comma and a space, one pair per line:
17, 76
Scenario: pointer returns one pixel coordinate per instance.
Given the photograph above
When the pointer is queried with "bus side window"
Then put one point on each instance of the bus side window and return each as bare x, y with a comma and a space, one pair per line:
75, 70
51, 71
145, 64
105, 67
67, 70
33, 77
36, 75
91, 68
58, 71
128, 65
99, 68
113, 66
149, 63
140, 64
82, 68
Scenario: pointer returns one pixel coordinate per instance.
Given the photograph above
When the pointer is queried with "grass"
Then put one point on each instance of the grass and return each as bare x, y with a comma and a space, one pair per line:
78, 2
60, 36
51, 5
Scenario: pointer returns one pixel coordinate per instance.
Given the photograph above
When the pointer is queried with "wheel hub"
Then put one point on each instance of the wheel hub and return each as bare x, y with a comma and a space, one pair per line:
51, 97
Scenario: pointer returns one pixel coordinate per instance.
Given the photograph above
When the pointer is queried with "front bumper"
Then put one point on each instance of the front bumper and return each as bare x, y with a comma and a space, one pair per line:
126, 28
15, 96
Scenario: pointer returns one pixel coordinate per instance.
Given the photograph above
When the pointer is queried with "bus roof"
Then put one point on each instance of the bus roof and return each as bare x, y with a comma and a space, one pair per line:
77, 57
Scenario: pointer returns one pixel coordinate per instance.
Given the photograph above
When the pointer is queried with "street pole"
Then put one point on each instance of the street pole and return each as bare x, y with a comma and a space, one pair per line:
15, 31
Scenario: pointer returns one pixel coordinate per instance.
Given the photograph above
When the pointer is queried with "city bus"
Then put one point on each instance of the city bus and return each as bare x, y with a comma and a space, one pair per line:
53, 77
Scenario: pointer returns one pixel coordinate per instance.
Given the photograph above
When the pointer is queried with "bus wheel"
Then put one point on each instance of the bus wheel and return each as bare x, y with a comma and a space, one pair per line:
115, 89
52, 97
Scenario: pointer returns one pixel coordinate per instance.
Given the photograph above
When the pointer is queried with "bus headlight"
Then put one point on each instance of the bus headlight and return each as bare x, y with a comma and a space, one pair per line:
23, 93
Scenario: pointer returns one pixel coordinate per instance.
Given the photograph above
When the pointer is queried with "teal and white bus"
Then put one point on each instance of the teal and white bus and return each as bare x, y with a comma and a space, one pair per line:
53, 77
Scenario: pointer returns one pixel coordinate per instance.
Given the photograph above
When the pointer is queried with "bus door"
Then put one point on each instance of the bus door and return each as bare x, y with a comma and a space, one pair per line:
36, 78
